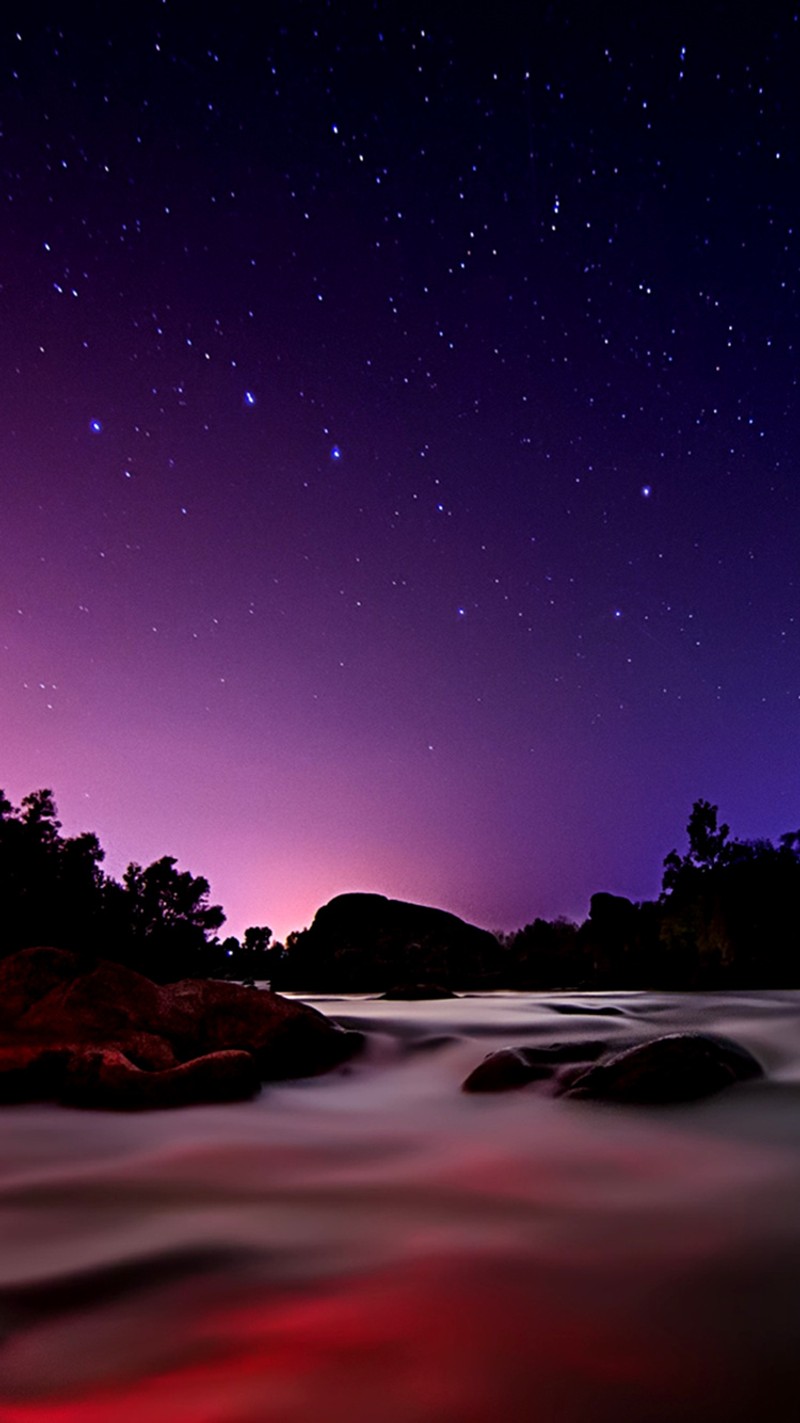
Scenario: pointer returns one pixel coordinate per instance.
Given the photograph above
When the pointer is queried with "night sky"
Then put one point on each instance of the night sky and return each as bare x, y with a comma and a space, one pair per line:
399, 441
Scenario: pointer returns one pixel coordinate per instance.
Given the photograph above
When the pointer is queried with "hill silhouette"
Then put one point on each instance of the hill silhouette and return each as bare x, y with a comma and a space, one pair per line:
728, 916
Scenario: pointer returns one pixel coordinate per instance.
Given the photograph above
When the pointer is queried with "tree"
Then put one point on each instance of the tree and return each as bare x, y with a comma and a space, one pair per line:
50, 887
707, 846
729, 908
256, 939
168, 918
40, 817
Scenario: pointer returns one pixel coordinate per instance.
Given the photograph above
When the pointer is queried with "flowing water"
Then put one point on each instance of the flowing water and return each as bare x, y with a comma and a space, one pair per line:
377, 1247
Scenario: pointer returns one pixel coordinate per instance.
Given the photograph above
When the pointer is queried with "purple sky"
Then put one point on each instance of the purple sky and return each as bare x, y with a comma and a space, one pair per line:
399, 442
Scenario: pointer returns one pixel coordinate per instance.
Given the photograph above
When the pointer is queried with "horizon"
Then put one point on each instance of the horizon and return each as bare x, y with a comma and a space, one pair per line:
115, 865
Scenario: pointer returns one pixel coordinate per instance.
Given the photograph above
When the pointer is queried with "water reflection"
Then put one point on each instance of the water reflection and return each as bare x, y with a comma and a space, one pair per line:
377, 1245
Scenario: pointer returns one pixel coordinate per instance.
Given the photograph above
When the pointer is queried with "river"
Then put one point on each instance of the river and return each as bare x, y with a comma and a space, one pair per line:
375, 1246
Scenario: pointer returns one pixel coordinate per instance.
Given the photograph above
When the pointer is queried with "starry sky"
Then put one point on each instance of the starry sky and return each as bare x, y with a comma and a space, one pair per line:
399, 441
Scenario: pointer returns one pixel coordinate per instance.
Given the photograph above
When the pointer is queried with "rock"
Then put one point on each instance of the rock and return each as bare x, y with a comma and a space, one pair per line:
512, 1067
579, 1051
106, 1078
503, 1070
583, 1010
31, 974
30, 1072
365, 943
34, 1069
57, 1008
411, 992
681, 1067
286, 1039
147, 1050
100, 1004
196, 1016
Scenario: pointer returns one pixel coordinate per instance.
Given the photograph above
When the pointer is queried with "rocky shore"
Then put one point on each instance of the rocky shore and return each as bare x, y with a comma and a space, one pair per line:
102, 1035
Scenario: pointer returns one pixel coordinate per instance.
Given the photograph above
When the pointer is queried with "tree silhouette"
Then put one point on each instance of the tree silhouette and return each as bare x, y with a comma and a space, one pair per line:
54, 891
707, 846
727, 916
730, 907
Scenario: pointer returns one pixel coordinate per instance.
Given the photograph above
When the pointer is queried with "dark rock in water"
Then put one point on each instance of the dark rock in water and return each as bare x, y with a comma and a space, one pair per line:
365, 943
555, 1053
33, 1070
583, 1010
104, 1077
504, 1070
286, 1039
682, 1067
56, 1007
512, 1067
411, 992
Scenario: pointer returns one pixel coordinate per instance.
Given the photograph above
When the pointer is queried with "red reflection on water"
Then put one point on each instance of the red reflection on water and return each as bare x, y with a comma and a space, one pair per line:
446, 1341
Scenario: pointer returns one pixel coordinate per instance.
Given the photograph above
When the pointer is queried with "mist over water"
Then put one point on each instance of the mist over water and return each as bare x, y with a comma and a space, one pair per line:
375, 1244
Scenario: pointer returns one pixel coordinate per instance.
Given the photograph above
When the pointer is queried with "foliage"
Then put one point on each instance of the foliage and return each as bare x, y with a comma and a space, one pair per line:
51, 887
727, 916
54, 891
543, 954
729, 908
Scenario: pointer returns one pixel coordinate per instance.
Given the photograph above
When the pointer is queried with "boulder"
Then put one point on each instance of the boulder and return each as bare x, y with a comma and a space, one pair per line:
581, 1051
681, 1067
56, 1006
503, 1070
104, 1077
286, 1039
364, 943
512, 1067
586, 1011
31, 974
31, 1072
32, 1069
415, 992
98, 1004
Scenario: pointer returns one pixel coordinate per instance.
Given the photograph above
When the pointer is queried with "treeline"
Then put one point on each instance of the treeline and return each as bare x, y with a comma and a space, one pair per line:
158, 920
728, 916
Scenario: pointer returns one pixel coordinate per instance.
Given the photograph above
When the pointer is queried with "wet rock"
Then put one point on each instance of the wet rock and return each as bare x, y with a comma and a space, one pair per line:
504, 1070
57, 1006
34, 1069
31, 974
31, 1072
584, 1011
105, 1078
681, 1067
512, 1067
554, 1053
99, 1005
286, 1039
146, 1050
412, 992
